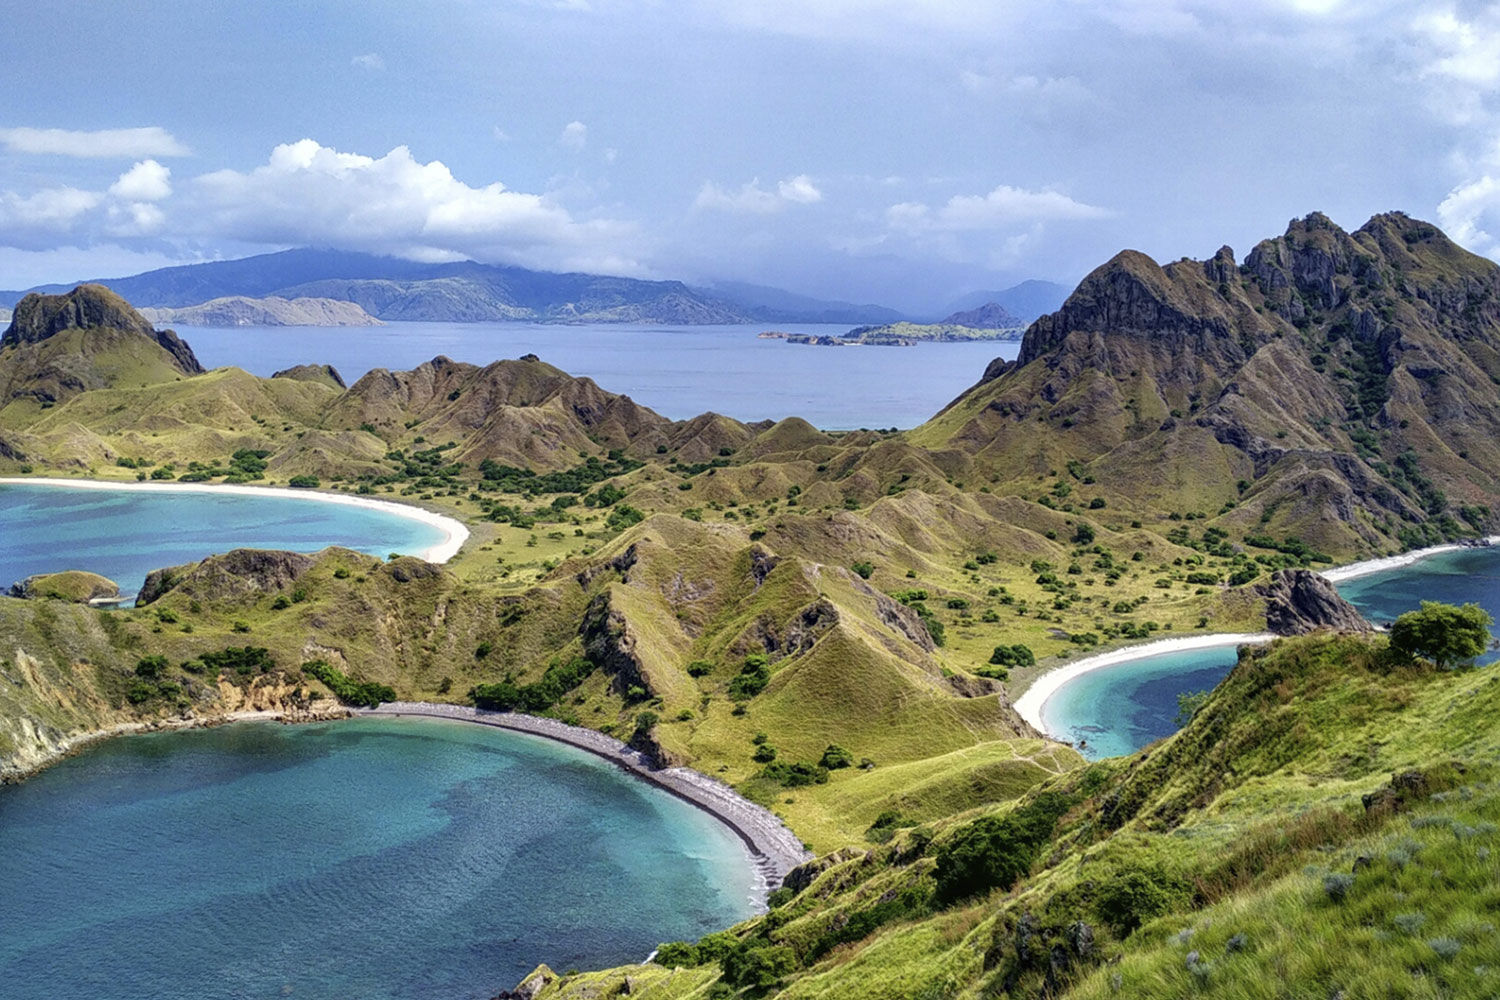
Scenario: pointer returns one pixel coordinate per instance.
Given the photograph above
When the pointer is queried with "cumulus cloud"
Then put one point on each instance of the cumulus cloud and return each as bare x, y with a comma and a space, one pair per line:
146, 181
1463, 50
752, 199
1464, 213
370, 61
1004, 206
307, 193
121, 143
575, 135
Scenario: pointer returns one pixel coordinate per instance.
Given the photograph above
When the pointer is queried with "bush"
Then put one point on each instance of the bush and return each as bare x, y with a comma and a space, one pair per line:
764, 754
243, 660
752, 679
995, 851
558, 680
1442, 633
303, 482
758, 966
796, 775
151, 667
645, 722
836, 757
350, 692
864, 569
699, 668
1018, 655
1132, 896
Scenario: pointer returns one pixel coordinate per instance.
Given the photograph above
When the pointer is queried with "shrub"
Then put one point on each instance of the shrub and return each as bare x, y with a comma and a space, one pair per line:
1337, 886
993, 852
151, 667
764, 754
864, 569
346, 690
1018, 655
1132, 896
645, 722
752, 679
758, 966
699, 668
303, 482
795, 775
836, 757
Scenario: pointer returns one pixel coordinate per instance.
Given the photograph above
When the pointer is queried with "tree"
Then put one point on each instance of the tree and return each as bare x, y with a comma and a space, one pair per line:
1442, 633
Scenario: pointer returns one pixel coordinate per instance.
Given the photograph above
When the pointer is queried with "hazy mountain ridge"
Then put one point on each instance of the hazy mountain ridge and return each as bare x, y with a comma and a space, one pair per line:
238, 310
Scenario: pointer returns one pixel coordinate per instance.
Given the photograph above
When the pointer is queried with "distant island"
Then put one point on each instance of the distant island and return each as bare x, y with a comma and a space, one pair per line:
990, 321
273, 310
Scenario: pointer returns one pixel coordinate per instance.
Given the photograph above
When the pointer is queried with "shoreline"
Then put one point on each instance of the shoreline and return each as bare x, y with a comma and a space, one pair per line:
774, 849
73, 745
454, 532
1365, 567
1034, 699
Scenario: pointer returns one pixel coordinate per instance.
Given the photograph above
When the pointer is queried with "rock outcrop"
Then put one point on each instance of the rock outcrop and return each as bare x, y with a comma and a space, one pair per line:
1300, 601
231, 575
325, 374
74, 585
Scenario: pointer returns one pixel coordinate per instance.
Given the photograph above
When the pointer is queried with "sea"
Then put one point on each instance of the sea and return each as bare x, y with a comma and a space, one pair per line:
384, 859
678, 371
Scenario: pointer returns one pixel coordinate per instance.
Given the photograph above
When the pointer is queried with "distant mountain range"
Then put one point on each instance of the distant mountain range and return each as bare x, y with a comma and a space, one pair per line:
389, 288
1025, 301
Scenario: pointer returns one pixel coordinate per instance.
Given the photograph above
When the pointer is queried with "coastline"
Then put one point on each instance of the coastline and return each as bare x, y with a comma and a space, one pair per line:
1034, 699
774, 849
1350, 571
79, 742
454, 532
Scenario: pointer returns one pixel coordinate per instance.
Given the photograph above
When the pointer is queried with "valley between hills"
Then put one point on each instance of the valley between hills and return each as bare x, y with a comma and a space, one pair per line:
837, 624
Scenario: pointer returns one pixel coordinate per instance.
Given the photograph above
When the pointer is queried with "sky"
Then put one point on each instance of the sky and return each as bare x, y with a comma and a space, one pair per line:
866, 150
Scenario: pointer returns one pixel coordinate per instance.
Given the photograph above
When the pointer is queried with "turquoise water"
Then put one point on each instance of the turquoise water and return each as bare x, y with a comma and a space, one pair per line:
1119, 709
679, 371
1452, 577
124, 534
373, 858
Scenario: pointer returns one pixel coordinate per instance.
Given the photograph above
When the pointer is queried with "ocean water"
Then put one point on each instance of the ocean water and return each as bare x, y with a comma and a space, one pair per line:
125, 534
679, 371
1458, 577
372, 858
1121, 708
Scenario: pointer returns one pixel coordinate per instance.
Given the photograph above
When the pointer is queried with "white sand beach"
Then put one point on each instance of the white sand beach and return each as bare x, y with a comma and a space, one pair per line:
1031, 703
454, 533
1364, 568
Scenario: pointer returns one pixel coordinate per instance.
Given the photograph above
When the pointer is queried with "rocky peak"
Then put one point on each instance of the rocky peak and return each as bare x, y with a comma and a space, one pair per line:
1300, 601
89, 307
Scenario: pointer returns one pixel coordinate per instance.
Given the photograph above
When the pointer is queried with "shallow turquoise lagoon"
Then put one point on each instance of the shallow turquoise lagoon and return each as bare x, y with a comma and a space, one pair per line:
1121, 708
125, 534
373, 858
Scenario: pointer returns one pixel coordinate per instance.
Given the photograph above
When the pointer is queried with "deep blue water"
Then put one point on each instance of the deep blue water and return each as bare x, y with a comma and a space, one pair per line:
124, 534
1121, 708
373, 858
679, 371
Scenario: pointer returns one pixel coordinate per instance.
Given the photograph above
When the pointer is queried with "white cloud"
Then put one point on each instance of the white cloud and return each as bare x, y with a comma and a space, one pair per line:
119, 143
307, 193
50, 208
500, 134
370, 61
575, 135
146, 181
1004, 206
1462, 215
752, 199
1464, 51
799, 189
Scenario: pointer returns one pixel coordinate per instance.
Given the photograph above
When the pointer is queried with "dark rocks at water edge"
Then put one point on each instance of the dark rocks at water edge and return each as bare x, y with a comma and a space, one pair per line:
1299, 601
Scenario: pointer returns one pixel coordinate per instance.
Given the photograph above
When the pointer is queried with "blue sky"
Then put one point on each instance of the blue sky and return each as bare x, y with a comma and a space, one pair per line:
904, 153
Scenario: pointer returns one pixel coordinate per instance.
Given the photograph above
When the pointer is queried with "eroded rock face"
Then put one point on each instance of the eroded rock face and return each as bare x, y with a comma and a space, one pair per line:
233, 574
1300, 601
326, 374
608, 642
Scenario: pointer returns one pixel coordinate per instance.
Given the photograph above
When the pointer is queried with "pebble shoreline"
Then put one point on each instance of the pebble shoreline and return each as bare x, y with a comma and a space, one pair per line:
774, 849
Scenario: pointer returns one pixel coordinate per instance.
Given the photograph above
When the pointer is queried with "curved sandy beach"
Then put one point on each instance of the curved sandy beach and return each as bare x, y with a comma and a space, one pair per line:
1029, 706
774, 848
1341, 573
454, 533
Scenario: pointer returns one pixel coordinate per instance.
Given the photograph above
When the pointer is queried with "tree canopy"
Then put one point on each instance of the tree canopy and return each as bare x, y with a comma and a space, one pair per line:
1442, 633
